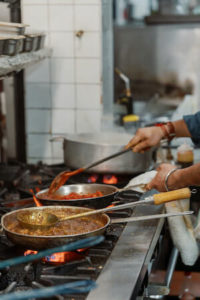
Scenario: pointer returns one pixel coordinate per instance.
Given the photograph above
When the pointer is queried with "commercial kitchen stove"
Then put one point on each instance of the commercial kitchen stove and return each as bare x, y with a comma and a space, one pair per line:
120, 265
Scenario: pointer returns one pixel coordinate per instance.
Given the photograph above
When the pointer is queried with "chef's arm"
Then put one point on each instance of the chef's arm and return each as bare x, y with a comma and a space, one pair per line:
180, 178
151, 136
181, 129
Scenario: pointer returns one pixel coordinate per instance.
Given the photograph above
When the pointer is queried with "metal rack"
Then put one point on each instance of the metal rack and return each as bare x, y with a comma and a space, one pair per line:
14, 66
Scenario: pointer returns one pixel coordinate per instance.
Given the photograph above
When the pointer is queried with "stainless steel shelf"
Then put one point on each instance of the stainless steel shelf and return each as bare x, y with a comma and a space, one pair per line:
10, 64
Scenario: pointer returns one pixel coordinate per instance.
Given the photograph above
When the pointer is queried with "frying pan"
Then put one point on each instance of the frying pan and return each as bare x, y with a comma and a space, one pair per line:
42, 242
108, 191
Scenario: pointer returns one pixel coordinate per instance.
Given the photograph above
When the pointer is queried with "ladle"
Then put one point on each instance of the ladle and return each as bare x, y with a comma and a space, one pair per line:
43, 219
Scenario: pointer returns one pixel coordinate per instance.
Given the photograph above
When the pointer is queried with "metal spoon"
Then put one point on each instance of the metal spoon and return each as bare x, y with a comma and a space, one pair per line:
41, 219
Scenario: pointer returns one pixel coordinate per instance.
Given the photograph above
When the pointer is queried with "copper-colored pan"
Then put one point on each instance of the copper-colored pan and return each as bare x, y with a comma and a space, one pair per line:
37, 242
42, 242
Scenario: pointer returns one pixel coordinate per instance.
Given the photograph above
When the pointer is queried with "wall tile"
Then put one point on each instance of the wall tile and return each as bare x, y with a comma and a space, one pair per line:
63, 95
88, 70
62, 44
83, 2
87, 17
62, 70
66, 2
47, 161
88, 45
88, 121
57, 149
34, 2
61, 17
38, 72
38, 145
38, 95
88, 96
47, 41
63, 121
36, 16
38, 120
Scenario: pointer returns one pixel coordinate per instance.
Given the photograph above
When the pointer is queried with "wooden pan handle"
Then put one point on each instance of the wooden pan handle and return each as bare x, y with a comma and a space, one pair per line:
172, 196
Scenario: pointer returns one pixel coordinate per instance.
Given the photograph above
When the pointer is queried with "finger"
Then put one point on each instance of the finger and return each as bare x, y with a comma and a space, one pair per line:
147, 187
141, 146
134, 141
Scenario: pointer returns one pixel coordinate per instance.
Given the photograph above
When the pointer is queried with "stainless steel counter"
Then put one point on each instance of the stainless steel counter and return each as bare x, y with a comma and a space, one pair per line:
124, 271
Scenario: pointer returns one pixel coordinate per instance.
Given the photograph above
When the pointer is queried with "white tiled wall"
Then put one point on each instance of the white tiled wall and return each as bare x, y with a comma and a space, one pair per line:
63, 93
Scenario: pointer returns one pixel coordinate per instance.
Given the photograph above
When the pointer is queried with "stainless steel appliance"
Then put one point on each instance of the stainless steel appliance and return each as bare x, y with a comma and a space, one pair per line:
82, 149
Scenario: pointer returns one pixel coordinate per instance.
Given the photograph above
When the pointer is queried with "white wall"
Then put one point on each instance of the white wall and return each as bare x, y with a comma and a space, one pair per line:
63, 93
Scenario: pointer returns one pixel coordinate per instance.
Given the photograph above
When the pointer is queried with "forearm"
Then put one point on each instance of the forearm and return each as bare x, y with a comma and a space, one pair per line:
181, 129
185, 177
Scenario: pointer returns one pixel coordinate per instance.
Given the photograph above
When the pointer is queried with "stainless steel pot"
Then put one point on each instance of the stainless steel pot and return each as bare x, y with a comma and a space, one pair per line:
82, 149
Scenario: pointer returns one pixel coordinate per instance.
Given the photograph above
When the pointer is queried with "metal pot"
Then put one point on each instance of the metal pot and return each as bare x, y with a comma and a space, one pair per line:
11, 45
82, 149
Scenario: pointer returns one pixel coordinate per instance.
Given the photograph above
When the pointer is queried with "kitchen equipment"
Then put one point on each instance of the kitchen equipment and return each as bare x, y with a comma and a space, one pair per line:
42, 242
34, 41
81, 149
108, 191
7, 28
11, 45
41, 40
31, 42
62, 177
43, 219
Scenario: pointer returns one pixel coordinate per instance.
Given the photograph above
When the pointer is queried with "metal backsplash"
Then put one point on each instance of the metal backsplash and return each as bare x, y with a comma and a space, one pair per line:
159, 59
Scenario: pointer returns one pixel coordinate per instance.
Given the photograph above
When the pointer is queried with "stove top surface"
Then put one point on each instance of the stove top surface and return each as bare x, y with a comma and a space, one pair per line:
111, 264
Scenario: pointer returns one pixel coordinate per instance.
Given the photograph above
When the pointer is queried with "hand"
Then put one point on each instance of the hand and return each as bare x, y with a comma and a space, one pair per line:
145, 138
158, 182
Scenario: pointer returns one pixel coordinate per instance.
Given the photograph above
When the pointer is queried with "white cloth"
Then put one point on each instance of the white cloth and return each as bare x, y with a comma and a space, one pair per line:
181, 228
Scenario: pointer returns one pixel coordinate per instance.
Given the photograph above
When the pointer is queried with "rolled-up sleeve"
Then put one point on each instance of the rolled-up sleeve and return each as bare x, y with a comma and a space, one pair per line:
193, 124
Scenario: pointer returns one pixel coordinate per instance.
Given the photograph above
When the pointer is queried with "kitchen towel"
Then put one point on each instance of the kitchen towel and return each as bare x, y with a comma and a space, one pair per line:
181, 228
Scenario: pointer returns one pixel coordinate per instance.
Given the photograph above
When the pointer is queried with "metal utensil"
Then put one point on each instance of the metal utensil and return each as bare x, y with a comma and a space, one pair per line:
41, 219
62, 177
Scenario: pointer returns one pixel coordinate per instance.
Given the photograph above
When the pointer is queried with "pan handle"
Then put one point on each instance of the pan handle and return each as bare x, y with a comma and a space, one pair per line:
161, 198
77, 287
144, 218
